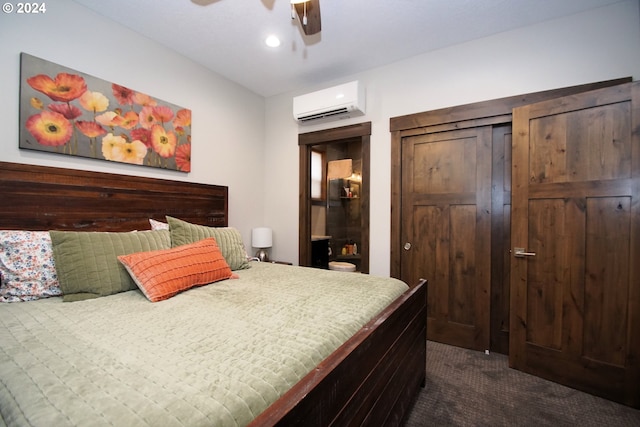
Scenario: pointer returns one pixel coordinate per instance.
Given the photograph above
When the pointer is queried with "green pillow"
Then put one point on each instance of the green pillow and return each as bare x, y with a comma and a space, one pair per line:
229, 240
87, 262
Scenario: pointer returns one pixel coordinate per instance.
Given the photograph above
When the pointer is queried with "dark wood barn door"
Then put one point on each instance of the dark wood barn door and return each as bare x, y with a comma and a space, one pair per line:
446, 204
575, 290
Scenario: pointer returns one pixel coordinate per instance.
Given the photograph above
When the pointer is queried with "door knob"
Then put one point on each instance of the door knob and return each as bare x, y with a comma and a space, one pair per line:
520, 253
407, 246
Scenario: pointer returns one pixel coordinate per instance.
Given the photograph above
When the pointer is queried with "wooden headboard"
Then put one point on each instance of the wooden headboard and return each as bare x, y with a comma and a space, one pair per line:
48, 198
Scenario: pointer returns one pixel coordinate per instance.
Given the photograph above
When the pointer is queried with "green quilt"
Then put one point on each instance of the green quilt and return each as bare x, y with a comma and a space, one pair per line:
216, 355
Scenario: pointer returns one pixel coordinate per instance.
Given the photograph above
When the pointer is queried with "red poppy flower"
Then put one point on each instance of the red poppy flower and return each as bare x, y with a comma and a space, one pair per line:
183, 157
64, 88
67, 110
50, 128
90, 129
143, 135
123, 94
163, 142
163, 113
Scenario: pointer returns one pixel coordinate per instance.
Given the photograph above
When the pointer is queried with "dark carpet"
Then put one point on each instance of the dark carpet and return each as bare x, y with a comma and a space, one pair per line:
471, 388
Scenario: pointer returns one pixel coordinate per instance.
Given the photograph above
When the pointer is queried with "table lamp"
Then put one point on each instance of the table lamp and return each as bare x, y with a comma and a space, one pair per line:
262, 238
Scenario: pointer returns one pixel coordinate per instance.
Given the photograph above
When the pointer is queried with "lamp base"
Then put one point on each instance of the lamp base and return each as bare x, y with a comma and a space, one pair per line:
262, 255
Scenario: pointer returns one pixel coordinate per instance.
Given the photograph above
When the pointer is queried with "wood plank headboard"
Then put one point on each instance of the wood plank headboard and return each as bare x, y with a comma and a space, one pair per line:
49, 198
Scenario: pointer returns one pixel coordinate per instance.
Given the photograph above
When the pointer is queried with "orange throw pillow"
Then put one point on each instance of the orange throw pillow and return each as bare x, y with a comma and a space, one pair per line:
161, 274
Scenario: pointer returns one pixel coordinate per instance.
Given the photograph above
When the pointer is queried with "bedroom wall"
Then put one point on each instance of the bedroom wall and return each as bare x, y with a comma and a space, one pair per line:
243, 141
228, 120
597, 45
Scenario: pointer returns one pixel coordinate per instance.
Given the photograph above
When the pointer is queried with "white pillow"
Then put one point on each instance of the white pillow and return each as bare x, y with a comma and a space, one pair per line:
158, 225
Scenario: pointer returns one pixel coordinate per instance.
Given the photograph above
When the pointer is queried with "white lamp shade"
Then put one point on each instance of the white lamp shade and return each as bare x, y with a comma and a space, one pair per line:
261, 237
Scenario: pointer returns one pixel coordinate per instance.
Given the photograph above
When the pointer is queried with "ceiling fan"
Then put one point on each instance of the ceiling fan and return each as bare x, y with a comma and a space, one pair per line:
308, 12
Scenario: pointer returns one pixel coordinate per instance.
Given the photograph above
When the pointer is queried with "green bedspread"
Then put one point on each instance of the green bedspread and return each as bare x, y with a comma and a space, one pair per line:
216, 355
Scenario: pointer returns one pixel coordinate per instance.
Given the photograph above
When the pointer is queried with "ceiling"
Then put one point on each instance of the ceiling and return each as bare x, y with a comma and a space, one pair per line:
227, 36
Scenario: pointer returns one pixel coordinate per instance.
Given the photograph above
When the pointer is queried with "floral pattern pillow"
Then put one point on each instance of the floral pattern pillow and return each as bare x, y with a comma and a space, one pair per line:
26, 266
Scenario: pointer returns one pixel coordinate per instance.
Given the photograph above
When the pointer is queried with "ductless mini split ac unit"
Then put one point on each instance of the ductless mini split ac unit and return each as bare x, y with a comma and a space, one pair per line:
338, 102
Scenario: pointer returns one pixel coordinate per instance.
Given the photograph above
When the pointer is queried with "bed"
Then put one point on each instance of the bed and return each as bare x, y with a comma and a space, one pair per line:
367, 374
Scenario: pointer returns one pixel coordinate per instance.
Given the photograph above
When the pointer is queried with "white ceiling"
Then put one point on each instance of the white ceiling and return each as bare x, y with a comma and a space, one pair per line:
227, 36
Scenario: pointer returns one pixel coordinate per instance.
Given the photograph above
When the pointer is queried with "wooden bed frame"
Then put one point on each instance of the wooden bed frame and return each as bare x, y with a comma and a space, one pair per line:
370, 380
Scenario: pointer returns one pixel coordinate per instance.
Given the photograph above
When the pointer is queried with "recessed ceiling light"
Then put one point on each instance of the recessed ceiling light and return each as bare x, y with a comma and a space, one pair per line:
272, 41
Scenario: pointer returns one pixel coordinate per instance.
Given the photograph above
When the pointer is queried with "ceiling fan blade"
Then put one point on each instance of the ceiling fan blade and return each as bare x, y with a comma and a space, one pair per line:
313, 24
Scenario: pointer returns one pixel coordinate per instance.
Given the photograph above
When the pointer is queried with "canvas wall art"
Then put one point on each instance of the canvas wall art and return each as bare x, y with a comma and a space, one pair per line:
68, 112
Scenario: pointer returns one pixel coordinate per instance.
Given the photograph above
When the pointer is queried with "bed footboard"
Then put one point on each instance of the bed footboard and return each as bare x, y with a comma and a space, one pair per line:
370, 380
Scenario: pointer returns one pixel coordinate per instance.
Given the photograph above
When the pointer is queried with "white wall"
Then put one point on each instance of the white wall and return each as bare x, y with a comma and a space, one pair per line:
228, 120
597, 45
250, 144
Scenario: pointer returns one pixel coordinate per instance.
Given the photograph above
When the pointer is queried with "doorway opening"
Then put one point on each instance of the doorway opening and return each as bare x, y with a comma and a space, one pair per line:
334, 197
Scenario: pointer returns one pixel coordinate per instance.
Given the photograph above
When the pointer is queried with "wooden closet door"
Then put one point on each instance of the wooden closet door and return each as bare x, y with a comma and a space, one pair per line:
575, 304
446, 210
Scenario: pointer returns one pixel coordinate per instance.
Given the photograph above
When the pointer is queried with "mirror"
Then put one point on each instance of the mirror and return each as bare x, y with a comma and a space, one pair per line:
334, 198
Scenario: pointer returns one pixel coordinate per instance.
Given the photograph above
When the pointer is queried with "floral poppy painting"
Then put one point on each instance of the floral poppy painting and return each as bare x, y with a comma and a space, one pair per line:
68, 112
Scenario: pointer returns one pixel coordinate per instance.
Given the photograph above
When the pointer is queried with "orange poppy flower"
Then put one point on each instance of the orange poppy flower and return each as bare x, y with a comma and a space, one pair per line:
183, 118
36, 103
50, 128
64, 88
129, 120
183, 157
163, 142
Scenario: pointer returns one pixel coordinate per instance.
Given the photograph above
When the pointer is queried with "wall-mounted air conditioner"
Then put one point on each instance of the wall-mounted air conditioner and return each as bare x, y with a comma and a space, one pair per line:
338, 102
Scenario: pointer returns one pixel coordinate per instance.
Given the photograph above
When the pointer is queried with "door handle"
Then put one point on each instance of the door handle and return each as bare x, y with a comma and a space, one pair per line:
520, 253
407, 246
